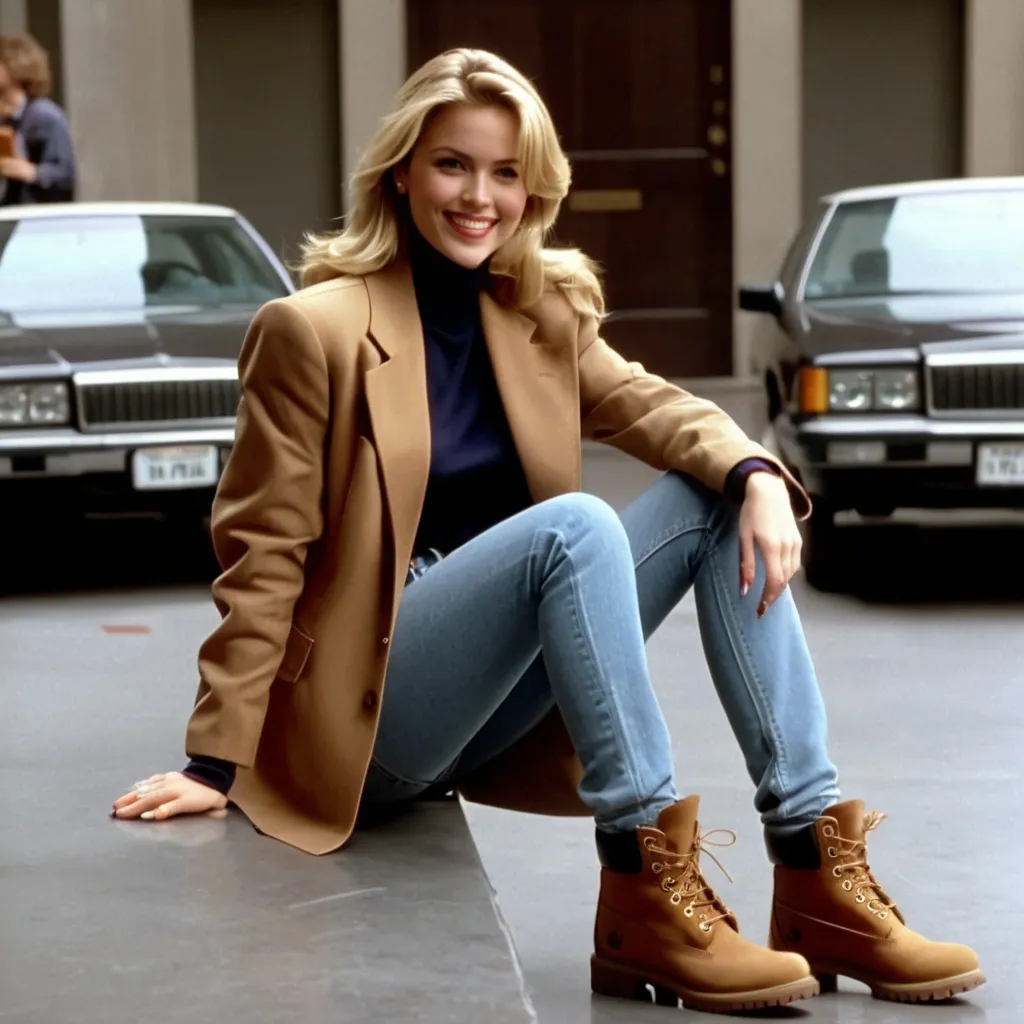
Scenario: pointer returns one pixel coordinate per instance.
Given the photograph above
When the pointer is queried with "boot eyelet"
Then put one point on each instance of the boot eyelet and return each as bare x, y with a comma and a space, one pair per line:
704, 926
883, 915
827, 832
833, 852
688, 912
860, 897
837, 871
648, 843
848, 885
676, 899
657, 867
666, 885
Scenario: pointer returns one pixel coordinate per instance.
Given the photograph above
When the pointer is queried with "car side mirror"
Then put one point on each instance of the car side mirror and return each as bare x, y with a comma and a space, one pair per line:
763, 298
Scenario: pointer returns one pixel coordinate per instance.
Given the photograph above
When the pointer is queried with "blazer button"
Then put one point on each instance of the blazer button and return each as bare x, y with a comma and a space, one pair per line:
370, 700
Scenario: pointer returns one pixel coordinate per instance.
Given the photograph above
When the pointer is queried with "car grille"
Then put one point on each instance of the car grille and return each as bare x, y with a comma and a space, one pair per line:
145, 403
990, 387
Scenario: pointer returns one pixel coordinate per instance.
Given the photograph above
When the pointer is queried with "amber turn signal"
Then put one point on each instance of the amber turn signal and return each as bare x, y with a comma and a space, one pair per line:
813, 389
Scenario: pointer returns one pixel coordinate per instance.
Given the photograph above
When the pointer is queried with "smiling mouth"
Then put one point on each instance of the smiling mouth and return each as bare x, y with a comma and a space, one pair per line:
470, 227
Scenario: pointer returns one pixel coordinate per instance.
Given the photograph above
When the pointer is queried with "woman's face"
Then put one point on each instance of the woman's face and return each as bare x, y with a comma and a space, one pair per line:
466, 193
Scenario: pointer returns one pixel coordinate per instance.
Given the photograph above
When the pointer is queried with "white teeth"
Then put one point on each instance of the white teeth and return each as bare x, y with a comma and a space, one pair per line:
471, 225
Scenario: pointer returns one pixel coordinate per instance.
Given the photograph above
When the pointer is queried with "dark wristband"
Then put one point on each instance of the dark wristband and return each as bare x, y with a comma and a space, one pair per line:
736, 481
211, 771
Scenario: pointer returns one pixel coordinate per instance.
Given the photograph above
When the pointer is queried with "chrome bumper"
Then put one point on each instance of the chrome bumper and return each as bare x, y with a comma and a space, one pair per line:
901, 427
61, 453
835, 442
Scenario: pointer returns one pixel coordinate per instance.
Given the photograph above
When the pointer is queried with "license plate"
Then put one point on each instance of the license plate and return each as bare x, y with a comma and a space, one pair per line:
172, 469
1001, 465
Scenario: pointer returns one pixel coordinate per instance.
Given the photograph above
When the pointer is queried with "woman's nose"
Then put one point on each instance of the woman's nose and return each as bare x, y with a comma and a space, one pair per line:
477, 190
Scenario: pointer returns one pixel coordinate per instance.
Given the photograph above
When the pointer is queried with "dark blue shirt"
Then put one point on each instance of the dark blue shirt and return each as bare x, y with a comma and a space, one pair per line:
476, 476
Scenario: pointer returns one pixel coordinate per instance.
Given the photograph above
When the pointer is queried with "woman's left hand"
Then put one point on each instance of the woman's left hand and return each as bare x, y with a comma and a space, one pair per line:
767, 521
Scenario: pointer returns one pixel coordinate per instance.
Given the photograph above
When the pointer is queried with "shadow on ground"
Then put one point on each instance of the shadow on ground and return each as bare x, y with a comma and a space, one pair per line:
881, 564
88, 555
907, 563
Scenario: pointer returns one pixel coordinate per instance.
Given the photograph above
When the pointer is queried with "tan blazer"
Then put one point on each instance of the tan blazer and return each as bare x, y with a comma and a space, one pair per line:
316, 514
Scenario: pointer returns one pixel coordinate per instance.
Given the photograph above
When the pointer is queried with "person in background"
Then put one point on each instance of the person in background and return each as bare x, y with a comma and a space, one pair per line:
42, 168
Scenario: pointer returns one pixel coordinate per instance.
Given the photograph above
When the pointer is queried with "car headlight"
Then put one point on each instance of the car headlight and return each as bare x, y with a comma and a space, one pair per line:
858, 390
850, 390
23, 405
896, 389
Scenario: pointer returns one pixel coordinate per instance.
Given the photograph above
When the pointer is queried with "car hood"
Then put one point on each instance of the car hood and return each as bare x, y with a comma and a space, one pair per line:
51, 345
923, 322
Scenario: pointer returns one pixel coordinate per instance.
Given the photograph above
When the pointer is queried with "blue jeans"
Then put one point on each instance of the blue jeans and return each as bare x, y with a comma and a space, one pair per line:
553, 606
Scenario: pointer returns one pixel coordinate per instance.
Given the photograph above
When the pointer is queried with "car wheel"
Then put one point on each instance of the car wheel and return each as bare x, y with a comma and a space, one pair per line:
820, 547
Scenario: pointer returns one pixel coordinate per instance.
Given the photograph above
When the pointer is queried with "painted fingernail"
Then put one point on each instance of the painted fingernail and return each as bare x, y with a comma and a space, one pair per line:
744, 589
148, 815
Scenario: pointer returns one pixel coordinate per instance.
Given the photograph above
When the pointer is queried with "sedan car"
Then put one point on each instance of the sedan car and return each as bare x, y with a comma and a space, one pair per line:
120, 328
895, 377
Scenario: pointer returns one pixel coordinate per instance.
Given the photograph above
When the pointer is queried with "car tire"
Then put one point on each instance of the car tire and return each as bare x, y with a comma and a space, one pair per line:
820, 555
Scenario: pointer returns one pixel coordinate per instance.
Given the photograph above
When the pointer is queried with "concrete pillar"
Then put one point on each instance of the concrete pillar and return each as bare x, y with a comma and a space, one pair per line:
373, 67
767, 149
994, 88
13, 17
129, 90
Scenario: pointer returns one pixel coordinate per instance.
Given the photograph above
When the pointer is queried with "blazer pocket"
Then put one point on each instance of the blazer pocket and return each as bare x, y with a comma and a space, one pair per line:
296, 654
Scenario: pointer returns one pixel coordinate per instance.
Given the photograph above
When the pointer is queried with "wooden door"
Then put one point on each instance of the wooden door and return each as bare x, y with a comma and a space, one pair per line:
639, 90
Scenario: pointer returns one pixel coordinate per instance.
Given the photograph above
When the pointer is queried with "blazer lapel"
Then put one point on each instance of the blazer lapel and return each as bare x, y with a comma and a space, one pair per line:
540, 392
396, 394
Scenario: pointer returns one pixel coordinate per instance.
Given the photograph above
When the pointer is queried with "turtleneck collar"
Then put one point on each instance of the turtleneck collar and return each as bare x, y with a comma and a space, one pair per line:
448, 295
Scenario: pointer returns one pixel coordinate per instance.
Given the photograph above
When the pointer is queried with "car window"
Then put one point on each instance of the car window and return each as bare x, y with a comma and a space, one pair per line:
795, 255
938, 242
125, 261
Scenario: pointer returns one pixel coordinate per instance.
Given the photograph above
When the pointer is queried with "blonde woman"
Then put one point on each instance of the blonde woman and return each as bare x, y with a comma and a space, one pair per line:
417, 597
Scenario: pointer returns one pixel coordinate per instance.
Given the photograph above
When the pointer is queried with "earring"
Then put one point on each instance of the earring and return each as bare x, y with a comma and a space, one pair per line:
401, 188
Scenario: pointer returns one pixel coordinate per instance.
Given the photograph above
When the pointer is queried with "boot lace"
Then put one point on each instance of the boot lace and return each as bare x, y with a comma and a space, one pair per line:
854, 869
686, 881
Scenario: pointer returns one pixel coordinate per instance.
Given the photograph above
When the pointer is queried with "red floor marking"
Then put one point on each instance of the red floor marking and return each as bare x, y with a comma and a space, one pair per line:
126, 629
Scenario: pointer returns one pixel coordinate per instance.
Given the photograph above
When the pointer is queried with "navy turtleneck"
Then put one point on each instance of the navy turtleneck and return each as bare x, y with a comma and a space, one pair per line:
476, 477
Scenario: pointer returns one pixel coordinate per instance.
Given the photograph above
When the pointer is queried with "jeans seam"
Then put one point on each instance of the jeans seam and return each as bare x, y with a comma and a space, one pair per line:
667, 536
749, 674
398, 777
585, 636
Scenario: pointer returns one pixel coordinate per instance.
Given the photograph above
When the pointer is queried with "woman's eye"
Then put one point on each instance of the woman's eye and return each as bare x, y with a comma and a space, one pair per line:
508, 172
448, 163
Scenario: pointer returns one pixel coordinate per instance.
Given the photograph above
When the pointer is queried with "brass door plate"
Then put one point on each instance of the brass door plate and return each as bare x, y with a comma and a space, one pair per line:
605, 200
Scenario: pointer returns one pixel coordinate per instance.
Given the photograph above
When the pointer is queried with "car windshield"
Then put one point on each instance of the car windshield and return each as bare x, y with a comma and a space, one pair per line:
964, 242
126, 261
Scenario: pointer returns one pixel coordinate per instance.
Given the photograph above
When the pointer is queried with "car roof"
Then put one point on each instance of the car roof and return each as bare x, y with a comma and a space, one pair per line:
916, 188
125, 207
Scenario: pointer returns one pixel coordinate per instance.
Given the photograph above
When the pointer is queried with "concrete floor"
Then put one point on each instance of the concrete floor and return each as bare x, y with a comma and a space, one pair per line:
198, 920
920, 661
925, 690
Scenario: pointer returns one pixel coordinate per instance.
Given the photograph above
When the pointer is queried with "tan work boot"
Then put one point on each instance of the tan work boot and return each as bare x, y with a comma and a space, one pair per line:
833, 911
660, 924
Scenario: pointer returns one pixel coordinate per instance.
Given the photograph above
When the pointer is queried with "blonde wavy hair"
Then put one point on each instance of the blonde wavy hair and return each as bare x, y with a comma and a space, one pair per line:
524, 267
28, 63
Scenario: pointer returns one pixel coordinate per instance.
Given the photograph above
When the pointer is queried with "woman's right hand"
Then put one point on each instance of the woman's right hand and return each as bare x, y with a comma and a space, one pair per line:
164, 796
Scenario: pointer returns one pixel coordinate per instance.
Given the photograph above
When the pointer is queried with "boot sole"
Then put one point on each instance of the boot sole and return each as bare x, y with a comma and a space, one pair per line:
619, 982
915, 992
